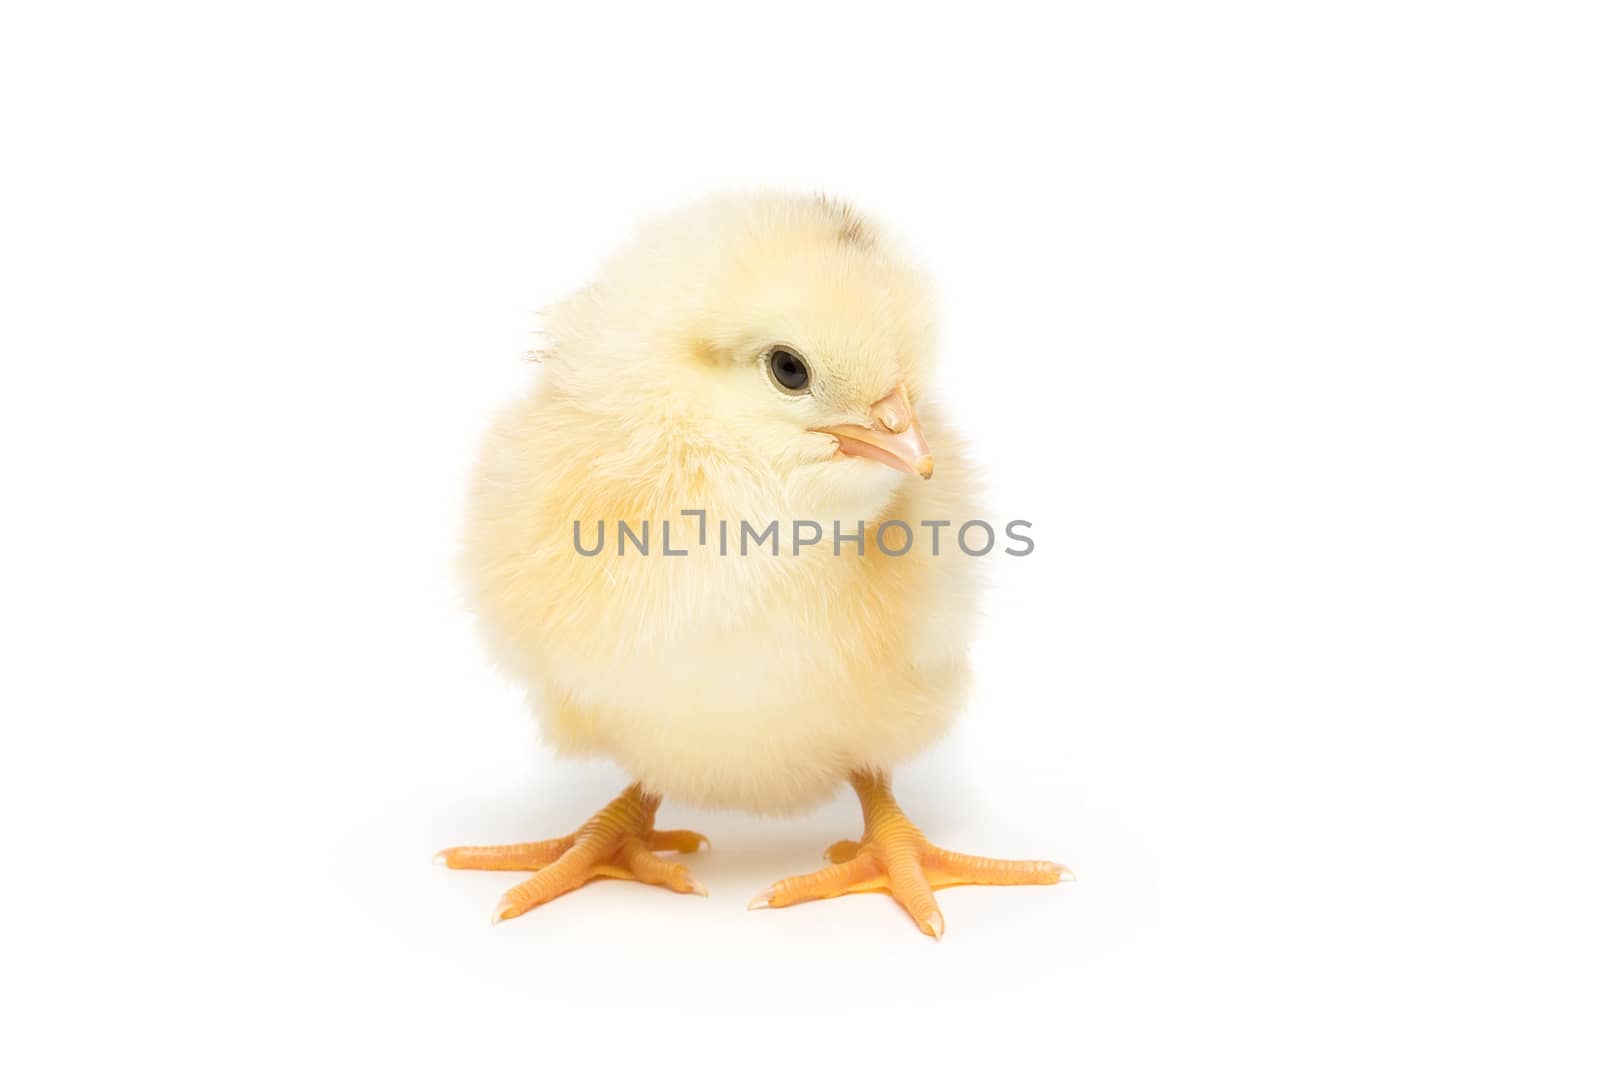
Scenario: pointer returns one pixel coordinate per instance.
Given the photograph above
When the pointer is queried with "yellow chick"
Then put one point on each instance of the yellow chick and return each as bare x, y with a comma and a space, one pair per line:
703, 543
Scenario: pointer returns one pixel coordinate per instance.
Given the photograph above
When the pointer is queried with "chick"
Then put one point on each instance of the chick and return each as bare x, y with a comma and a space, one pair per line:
747, 359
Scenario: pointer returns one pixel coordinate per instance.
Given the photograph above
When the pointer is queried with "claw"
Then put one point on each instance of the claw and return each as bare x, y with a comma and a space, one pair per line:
760, 900
615, 843
894, 856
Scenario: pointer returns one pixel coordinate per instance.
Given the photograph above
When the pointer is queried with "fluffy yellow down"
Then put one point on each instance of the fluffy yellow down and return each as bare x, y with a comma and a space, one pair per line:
755, 682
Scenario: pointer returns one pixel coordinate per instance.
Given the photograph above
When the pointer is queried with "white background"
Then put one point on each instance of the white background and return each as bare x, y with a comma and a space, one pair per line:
1279, 321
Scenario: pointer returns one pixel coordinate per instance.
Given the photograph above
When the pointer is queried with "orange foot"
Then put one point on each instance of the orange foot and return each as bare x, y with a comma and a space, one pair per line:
618, 842
893, 857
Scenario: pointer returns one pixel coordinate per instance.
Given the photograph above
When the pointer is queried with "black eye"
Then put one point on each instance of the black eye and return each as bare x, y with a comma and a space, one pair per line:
788, 370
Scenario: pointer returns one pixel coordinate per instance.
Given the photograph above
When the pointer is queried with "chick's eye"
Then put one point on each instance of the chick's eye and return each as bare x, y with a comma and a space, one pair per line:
788, 370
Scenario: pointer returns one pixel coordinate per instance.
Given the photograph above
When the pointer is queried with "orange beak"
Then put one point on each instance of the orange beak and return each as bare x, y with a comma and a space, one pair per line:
894, 438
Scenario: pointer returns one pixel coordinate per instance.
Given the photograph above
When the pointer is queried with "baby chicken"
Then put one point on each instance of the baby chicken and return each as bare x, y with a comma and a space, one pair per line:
747, 359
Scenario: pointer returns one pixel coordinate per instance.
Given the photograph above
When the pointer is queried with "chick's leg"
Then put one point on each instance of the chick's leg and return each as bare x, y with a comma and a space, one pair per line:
893, 857
620, 841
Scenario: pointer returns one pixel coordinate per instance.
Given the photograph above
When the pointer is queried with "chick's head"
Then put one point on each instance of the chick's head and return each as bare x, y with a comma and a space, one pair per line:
770, 336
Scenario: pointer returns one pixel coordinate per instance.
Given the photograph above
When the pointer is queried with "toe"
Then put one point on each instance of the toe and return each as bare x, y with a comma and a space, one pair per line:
531, 856
648, 867
909, 885
677, 841
956, 868
563, 876
857, 875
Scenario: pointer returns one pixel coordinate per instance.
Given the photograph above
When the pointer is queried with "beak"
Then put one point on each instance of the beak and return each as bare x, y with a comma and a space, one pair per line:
894, 438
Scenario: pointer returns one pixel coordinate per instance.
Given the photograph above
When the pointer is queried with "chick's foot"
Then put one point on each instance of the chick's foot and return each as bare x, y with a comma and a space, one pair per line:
620, 841
893, 857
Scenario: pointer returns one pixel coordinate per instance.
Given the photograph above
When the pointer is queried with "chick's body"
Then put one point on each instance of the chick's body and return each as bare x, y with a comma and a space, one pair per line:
760, 361
726, 677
